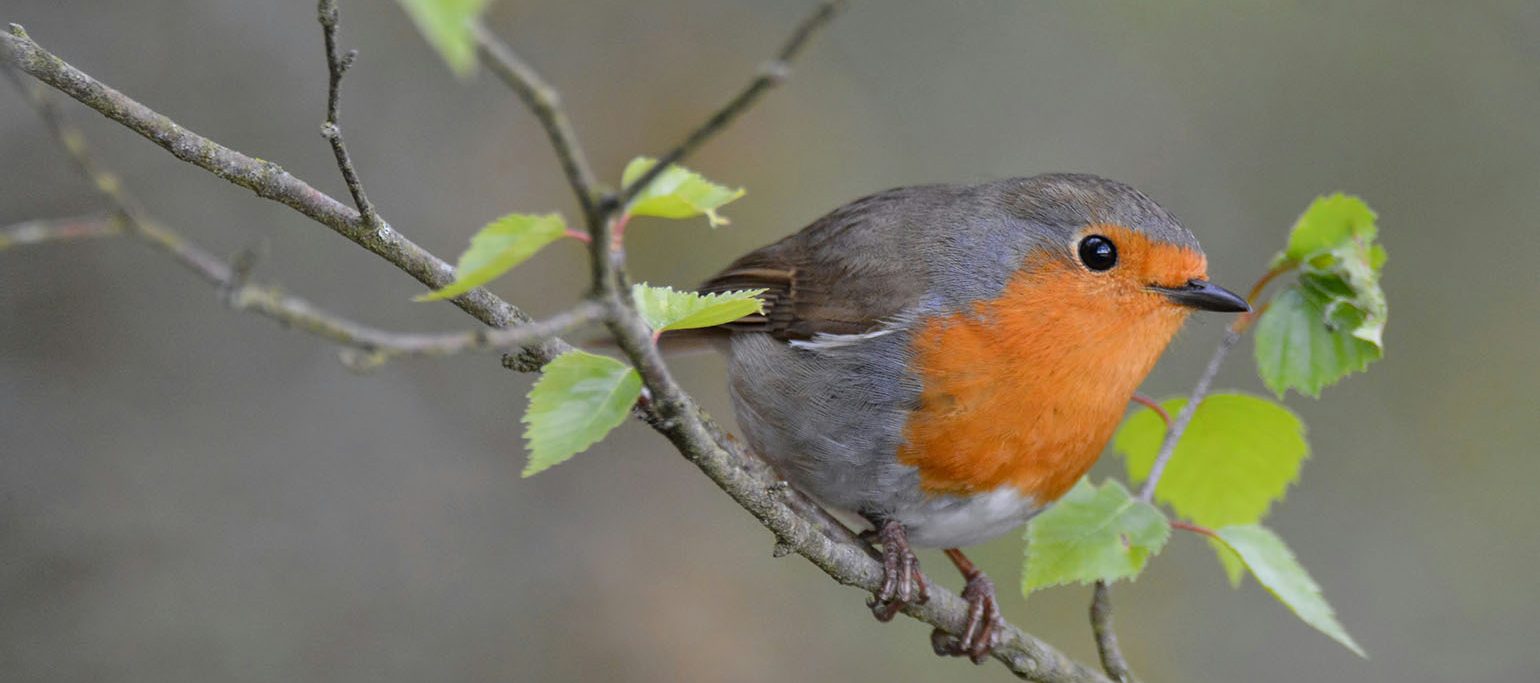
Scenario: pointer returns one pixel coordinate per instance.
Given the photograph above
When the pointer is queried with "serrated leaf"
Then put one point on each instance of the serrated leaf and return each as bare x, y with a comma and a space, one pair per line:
1328, 223
665, 309
448, 26
1232, 564
1238, 456
1090, 534
1305, 343
677, 193
578, 399
1274, 566
497, 248
1331, 322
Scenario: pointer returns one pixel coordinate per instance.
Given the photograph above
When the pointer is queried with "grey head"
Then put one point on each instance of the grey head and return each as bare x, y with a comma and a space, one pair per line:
980, 235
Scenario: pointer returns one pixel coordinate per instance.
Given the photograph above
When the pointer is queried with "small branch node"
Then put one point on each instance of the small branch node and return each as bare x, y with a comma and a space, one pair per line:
776, 70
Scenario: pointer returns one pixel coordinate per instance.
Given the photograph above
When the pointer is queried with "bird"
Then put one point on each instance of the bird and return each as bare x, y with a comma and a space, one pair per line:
946, 361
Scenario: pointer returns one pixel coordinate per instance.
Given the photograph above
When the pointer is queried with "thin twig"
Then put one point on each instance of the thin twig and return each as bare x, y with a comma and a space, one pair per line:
518, 336
58, 230
1101, 600
1237, 328
1112, 658
1154, 405
373, 346
545, 103
1188, 526
771, 74
1101, 597
266, 179
1184, 417
337, 64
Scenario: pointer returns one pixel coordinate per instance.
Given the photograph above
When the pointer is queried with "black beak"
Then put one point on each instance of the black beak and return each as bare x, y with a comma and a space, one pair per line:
1205, 296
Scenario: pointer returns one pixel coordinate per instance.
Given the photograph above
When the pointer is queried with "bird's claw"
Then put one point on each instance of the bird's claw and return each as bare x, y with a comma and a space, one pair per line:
983, 620
902, 582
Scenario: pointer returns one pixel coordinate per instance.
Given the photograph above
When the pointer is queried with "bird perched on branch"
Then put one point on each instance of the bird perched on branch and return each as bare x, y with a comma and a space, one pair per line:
947, 361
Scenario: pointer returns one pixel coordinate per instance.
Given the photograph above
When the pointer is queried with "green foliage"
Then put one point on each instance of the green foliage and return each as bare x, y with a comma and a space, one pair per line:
578, 399
497, 248
1331, 322
677, 193
1234, 567
665, 309
448, 25
1326, 224
1268, 559
1239, 454
1092, 533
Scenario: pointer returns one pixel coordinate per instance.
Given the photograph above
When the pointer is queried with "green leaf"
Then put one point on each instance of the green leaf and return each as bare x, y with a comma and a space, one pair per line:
497, 248
1331, 322
1233, 565
677, 193
665, 309
1092, 533
1328, 223
1305, 344
1276, 569
448, 25
1238, 456
578, 399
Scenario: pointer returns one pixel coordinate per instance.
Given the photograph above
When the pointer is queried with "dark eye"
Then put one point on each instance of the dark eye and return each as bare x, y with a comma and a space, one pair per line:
1097, 253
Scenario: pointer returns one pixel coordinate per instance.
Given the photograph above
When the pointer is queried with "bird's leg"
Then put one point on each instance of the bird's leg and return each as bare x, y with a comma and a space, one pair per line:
983, 614
902, 583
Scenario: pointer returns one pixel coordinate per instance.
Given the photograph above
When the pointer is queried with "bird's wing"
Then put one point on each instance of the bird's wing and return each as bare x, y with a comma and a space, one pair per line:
846, 274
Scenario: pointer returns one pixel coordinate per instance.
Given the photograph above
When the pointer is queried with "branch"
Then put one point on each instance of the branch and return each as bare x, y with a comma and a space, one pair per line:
369, 346
338, 64
266, 179
770, 75
449, 344
1184, 418
39, 231
545, 103
376, 346
1107, 640
1101, 600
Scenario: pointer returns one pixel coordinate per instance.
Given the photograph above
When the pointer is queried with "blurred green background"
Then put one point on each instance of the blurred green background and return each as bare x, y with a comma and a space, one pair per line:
188, 493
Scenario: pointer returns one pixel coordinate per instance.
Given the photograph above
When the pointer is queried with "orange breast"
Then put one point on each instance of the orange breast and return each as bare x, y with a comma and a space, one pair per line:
1026, 389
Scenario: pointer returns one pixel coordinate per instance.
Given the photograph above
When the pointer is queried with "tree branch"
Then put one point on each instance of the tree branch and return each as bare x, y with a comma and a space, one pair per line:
545, 103
1184, 417
797, 523
1101, 600
372, 346
58, 230
1106, 639
266, 179
338, 64
771, 74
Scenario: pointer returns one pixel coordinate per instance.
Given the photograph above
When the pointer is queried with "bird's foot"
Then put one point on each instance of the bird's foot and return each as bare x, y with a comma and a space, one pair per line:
902, 582
984, 618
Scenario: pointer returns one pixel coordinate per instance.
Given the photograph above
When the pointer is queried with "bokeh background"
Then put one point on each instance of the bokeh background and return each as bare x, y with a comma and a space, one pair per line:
188, 493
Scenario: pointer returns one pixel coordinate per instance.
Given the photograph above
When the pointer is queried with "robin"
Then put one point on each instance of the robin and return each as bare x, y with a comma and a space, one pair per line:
947, 361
